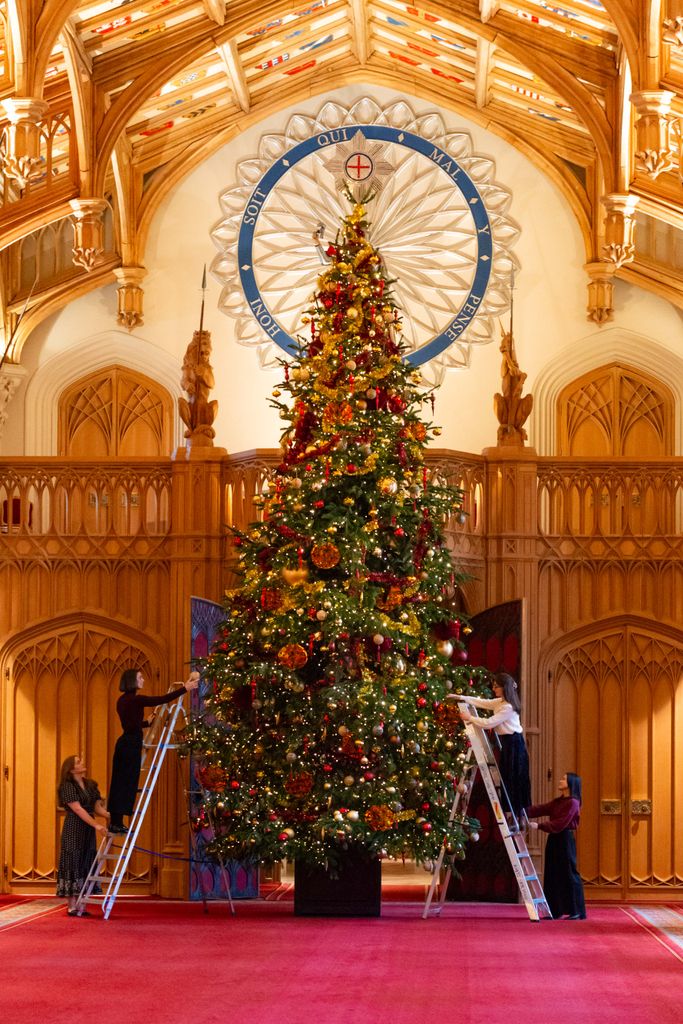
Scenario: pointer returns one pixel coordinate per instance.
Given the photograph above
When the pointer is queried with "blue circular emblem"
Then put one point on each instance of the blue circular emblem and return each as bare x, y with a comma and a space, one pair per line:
469, 306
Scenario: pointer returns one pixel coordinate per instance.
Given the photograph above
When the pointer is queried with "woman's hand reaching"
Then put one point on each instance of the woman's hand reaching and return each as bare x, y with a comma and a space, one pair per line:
192, 681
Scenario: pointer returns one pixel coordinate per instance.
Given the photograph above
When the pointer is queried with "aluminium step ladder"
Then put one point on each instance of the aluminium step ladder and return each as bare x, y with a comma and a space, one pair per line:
480, 757
158, 741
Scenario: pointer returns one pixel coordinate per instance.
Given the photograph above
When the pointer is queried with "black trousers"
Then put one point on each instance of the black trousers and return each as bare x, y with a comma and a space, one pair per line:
561, 880
125, 775
514, 770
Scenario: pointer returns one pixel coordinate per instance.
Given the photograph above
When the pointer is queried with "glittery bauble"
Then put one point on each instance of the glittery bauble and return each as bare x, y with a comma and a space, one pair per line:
380, 818
325, 556
448, 717
212, 777
388, 485
292, 656
299, 783
270, 599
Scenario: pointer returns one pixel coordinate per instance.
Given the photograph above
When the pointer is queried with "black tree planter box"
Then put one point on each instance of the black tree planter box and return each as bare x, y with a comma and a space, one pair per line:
356, 892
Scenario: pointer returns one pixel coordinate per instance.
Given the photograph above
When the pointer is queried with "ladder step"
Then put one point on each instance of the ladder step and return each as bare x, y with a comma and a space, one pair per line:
521, 861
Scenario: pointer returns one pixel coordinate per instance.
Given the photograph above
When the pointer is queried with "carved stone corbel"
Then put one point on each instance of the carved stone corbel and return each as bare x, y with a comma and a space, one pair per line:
21, 161
673, 32
619, 247
88, 222
11, 376
654, 153
600, 291
130, 296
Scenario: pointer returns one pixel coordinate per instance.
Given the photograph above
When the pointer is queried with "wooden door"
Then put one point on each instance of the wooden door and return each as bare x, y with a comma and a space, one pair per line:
618, 721
60, 692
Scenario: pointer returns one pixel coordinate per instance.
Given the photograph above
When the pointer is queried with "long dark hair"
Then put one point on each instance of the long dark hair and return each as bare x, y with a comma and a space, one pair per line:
65, 771
510, 691
129, 680
574, 784
66, 776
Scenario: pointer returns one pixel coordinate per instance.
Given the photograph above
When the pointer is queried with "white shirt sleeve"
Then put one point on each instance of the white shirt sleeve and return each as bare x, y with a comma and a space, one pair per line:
481, 702
504, 714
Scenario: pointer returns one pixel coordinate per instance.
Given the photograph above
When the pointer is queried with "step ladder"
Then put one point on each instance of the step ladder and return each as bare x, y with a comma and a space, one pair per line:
159, 739
480, 757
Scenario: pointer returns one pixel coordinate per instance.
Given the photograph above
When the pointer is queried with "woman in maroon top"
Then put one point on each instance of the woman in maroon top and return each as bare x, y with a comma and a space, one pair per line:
125, 769
561, 880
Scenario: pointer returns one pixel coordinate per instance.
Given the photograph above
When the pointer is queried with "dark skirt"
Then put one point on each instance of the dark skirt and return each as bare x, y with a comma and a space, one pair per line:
561, 881
514, 770
125, 773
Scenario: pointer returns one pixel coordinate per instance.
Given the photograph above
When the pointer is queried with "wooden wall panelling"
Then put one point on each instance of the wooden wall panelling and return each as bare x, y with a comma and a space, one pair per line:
61, 689
600, 573
616, 702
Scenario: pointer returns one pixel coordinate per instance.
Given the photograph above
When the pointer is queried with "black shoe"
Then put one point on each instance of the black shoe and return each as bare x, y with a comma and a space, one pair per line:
118, 830
576, 917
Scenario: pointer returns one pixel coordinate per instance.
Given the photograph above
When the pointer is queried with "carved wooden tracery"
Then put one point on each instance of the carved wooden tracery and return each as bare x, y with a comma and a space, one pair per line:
616, 411
61, 698
618, 701
115, 411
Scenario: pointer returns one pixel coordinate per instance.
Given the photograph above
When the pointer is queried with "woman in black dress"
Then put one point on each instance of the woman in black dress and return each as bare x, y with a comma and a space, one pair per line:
561, 880
81, 799
125, 769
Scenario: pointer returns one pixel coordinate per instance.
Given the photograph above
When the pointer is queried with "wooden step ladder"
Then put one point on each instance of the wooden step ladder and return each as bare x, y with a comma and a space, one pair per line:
480, 757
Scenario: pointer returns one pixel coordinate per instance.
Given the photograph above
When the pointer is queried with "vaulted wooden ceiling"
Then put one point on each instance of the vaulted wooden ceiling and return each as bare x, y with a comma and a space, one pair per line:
110, 103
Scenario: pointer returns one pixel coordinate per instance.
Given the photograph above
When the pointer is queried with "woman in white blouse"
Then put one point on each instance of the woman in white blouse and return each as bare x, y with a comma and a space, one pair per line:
514, 758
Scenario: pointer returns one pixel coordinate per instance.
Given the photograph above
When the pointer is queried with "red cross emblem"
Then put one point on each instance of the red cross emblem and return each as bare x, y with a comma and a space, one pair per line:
359, 167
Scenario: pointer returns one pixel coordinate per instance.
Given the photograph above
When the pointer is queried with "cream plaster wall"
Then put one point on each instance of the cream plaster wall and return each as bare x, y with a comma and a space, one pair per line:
549, 315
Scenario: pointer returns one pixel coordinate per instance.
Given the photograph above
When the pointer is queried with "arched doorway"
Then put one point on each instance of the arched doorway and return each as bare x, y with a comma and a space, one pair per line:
615, 714
60, 682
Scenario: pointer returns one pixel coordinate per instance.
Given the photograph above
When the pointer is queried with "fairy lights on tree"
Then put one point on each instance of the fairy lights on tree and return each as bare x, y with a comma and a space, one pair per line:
329, 719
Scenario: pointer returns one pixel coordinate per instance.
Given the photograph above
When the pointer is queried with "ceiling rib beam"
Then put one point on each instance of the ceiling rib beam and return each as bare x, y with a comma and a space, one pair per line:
488, 9
360, 31
230, 56
485, 51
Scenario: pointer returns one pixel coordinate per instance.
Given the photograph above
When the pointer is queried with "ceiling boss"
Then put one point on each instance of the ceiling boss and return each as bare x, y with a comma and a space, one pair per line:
436, 215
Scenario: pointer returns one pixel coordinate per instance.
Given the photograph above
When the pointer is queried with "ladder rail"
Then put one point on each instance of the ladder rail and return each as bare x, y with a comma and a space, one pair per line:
462, 797
158, 745
140, 809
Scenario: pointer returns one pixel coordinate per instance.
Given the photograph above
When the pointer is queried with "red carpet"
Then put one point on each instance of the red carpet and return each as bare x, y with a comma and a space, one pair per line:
9, 901
168, 963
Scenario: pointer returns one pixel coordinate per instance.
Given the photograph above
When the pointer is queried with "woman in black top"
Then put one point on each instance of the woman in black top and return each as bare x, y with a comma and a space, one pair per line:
81, 799
125, 769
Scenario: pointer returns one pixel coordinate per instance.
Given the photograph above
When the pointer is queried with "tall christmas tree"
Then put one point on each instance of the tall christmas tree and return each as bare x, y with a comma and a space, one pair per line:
329, 720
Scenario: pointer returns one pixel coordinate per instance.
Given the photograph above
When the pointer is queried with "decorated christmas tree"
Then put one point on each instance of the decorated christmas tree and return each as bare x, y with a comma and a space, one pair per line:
329, 720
